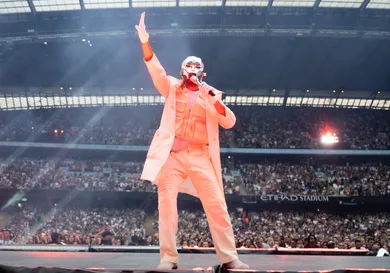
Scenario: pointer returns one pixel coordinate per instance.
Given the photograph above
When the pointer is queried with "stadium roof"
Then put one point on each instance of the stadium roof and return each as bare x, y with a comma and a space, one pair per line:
49, 42
26, 21
230, 62
19, 98
26, 6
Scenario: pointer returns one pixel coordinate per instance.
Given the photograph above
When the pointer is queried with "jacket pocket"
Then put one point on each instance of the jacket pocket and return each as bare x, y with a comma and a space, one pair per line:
180, 107
200, 132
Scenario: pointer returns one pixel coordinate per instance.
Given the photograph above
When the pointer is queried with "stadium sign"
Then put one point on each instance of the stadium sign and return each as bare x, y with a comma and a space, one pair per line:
295, 198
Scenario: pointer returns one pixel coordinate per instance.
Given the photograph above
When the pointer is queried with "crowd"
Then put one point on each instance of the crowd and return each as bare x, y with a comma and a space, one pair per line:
268, 229
71, 174
267, 127
308, 178
82, 125
101, 176
265, 229
276, 178
108, 126
32, 225
256, 127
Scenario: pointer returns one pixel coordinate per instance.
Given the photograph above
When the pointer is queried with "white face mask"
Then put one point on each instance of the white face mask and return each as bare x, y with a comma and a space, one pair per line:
192, 66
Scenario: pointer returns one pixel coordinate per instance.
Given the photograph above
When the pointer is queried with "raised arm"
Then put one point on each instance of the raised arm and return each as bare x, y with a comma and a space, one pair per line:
157, 72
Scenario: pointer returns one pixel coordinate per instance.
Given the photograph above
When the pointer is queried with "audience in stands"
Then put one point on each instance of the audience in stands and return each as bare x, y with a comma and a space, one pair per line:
304, 178
307, 178
267, 127
266, 229
256, 127
72, 174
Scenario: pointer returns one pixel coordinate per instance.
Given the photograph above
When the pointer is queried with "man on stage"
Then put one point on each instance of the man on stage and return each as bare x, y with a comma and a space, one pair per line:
184, 154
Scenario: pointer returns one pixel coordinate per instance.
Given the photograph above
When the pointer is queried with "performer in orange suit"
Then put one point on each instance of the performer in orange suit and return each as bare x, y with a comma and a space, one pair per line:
184, 154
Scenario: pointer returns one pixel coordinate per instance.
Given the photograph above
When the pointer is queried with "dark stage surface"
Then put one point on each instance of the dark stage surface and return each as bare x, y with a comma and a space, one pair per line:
143, 260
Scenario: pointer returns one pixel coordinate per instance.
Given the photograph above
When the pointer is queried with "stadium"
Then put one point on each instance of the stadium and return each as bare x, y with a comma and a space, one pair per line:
301, 154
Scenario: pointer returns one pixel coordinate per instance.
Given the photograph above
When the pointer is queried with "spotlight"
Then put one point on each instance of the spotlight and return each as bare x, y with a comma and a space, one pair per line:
55, 131
62, 131
142, 88
342, 91
61, 88
379, 92
19, 205
89, 41
90, 44
45, 43
70, 88
133, 88
273, 90
307, 90
83, 40
334, 91
328, 138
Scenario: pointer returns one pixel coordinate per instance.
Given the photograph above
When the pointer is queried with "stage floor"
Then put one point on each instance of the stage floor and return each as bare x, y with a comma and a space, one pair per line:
187, 261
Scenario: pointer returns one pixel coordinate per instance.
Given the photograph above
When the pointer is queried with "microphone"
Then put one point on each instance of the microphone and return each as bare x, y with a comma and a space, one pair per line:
195, 80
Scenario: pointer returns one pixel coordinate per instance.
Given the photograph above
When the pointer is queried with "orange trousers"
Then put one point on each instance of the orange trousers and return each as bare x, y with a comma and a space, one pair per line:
194, 162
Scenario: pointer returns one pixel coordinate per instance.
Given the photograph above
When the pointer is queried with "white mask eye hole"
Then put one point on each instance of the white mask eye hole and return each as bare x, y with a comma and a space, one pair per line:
196, 65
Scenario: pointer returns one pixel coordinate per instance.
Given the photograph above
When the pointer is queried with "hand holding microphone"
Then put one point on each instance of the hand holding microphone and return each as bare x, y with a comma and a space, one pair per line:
204, 88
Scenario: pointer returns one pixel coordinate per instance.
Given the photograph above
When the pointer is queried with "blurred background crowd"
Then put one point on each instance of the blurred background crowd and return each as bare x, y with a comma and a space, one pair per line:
256, 127
256, 229
305, 177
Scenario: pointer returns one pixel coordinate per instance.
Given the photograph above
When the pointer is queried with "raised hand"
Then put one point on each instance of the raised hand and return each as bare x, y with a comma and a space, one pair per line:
141, 29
